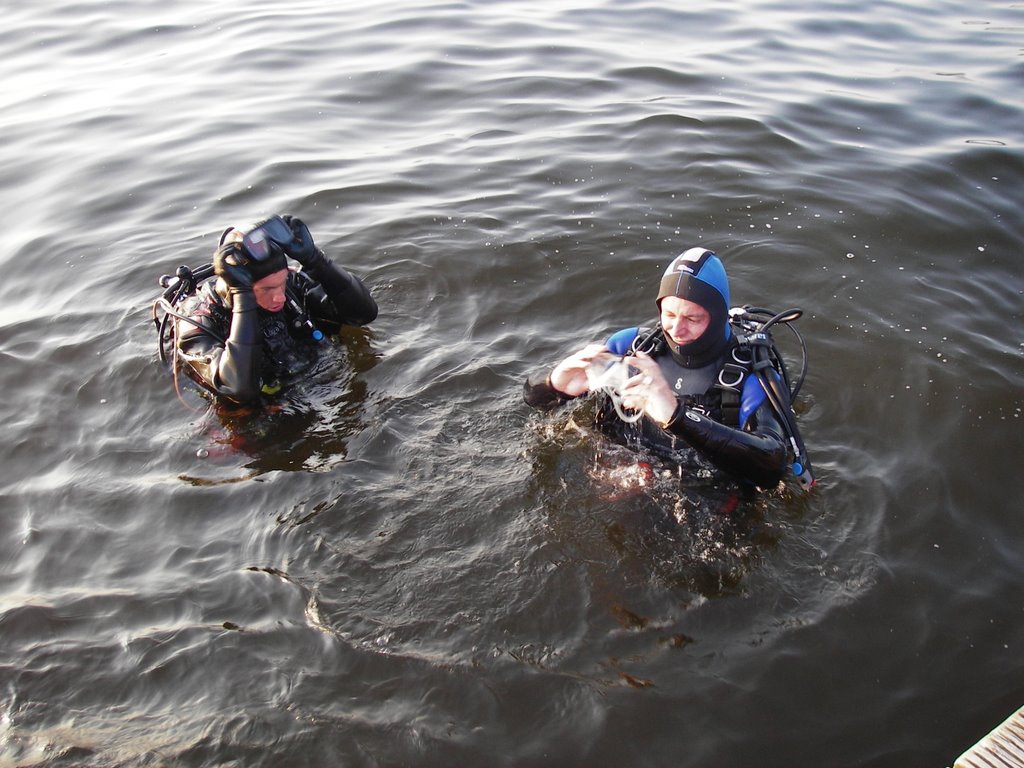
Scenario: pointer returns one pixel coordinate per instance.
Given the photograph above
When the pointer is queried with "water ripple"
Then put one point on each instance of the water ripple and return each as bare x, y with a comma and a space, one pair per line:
404, 564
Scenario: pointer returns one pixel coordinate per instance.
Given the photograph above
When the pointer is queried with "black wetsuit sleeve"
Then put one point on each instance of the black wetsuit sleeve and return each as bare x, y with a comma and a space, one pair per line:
351, 299
758, 456
229, 368
538, 392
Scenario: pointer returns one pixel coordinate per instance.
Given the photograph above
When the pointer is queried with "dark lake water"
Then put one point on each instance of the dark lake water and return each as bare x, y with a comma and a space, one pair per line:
405, 565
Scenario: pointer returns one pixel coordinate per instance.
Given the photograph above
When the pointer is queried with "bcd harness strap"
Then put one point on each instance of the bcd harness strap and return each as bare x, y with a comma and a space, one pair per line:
722, 400
753, 352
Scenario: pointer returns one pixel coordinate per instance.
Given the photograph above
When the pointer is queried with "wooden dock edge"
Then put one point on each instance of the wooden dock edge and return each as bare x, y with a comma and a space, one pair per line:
1002, 748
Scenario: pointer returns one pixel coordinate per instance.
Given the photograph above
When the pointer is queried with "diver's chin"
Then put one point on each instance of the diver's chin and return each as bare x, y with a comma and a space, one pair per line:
681, 342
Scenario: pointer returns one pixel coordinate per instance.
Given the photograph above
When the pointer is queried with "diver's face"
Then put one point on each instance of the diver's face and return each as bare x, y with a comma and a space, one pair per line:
269, 291
683, 321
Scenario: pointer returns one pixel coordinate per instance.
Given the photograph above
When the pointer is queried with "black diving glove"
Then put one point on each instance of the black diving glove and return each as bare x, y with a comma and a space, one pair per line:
302, 248
229, 265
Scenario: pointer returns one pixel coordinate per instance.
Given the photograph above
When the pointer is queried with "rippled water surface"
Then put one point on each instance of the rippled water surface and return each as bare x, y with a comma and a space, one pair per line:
405, 565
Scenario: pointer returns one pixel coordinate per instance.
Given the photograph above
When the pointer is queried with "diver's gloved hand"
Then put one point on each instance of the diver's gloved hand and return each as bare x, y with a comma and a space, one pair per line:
229, 265
302, 248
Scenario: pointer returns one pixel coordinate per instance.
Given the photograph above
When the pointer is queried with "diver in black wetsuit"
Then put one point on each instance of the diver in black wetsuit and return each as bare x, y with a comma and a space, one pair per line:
697, 384
255, 323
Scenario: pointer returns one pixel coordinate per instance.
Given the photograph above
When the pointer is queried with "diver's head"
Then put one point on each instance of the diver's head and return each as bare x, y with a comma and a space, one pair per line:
693, 301
271, 291
262, 255
262, 258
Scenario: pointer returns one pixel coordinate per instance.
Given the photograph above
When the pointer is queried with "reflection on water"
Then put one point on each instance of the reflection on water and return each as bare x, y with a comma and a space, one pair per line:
401, 564
683, 526
305, 429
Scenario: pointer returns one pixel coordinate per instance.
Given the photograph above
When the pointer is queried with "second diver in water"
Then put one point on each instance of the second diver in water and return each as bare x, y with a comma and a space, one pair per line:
705, 379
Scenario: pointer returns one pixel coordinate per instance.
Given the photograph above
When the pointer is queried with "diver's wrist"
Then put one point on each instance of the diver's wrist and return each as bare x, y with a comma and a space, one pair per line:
675, 416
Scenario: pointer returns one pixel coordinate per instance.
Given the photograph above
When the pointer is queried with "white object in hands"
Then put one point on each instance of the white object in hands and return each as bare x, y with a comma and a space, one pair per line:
609, 374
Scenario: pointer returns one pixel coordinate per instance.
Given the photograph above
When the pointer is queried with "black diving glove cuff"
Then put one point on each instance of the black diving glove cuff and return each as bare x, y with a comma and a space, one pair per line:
313, 262
242, 300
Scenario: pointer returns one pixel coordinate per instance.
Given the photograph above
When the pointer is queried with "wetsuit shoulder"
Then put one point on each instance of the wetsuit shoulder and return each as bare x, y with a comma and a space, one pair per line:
346, 299
621, 342
208, 320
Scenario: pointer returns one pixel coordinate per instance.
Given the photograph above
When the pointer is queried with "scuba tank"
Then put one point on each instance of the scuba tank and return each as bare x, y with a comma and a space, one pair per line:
752, 327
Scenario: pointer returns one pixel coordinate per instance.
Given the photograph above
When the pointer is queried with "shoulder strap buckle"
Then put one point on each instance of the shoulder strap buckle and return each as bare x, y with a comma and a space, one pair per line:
731, 376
